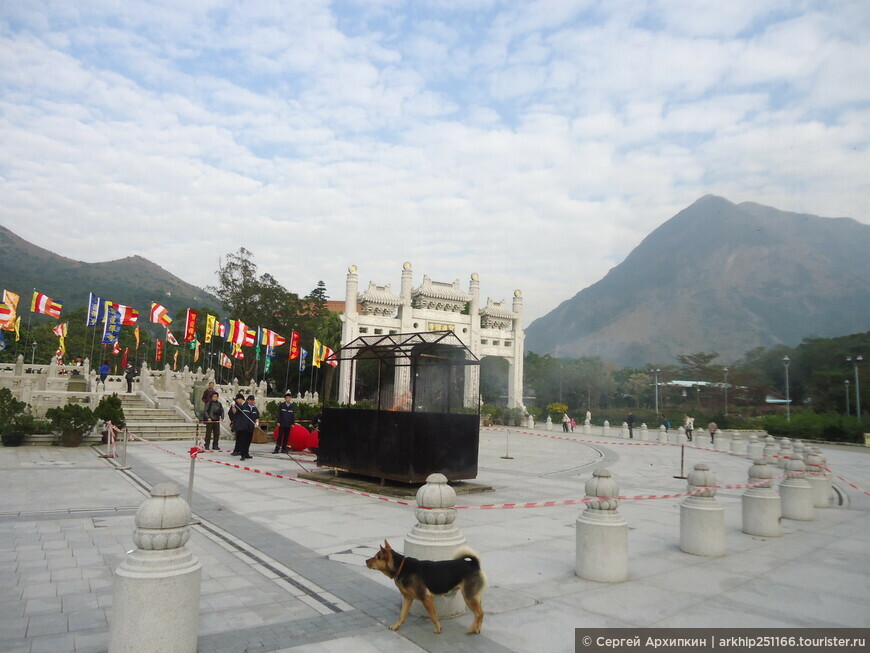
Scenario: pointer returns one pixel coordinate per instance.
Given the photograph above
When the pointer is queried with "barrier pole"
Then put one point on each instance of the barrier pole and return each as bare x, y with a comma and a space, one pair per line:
507, 437
124, 464
193, 453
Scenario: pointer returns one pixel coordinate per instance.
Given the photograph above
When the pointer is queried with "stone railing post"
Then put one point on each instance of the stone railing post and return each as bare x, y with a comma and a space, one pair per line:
818, 479
644, 432
771, 451
602, 533
702, 518
754, 449
762, 507
549, 425
155, 607
436, 537
738, 445
606, 429
796, 492
663, 434
785, 452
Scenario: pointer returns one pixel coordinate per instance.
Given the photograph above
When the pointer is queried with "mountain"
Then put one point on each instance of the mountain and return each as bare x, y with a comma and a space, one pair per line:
132, 281
718, 276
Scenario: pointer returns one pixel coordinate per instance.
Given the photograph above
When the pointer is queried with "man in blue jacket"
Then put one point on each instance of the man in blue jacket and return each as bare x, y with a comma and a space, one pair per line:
286, 420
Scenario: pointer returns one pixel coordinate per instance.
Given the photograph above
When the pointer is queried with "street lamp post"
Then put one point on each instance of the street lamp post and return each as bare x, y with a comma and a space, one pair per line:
656, 373
785, 361
857, 359
726, 390
33, 355
848, 410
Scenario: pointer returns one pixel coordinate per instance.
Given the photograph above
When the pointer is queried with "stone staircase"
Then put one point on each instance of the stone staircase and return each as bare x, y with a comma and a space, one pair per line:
155, 423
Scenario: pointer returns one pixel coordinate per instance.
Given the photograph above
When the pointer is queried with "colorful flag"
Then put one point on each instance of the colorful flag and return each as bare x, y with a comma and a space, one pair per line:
158, 353
250, 337
128, 315
136, 333
2, 342
190, 325
221, 328
210, 321
11, 300
95, 310
237, 332
271, 339
6, 314
294, 346
317, 354
237, 352
116, 349
171, 339
45, 305
112, 326
58, 356
270, 352
329, 357
302, 356
61, 330
159, 315
226, 361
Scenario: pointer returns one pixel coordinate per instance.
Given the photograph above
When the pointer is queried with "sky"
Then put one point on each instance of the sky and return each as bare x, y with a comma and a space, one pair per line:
533, 143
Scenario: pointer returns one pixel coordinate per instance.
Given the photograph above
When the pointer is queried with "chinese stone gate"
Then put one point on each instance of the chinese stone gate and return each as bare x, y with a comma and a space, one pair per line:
404, 432
494, 329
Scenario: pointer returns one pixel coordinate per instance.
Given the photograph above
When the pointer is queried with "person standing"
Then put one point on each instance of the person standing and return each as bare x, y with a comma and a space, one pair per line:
214, 415
246, 422
130, 374
208, 392
712, 427
689, 425
286, 420
234, 414
104, 373
565, 421
630, 422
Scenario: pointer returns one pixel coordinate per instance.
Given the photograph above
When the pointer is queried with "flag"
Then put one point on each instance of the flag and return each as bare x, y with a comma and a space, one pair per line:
2, 342
175, 360
112, 326
45, 305
271, 339
294, 346
17, 328
195, 347
158, 353
302, 356
171, 339
116, 349
128, 316
58, 356
267, 366
136, 333
250, 337
210, 321
95, 310
124, 358
329, 357
226, 361
221, 328
237, 352
10, 299
6, 314
190, 325
270, 352
236, 332
61, 330
317, 354
159, 315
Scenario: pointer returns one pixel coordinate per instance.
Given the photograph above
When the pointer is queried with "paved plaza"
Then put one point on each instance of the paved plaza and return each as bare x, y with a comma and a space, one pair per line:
283, 560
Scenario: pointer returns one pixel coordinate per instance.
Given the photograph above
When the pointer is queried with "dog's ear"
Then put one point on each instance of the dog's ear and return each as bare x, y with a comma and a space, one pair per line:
387, 546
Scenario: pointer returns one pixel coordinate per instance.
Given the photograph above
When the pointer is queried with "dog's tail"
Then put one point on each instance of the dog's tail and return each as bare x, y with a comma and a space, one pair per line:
467, 553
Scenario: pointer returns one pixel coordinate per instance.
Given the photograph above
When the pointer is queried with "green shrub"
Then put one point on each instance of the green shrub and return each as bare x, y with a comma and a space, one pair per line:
73, 421
13, 419
110, 410
832, 427
556, 410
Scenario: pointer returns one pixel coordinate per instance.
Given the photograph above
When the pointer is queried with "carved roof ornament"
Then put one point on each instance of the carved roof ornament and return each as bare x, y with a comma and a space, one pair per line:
379, 300
441, 296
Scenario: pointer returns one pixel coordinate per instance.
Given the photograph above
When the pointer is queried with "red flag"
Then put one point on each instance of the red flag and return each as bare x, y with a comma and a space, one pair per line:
124, 358
225, 360
45, 304
159, 353
329, 357
116, 349
294, 346
190, 327
127, 315
159, 315
237, 332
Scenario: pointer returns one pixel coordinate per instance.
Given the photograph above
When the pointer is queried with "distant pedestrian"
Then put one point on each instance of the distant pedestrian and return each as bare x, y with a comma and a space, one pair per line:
104, 373
666, 423
573, 424
712, 427
207, 393
630, 422
234, 414
689, 425
246, 422
286, 420
130, 374
565, 422
213, 415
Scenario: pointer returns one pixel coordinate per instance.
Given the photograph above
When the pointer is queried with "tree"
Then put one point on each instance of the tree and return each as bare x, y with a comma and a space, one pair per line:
696, 367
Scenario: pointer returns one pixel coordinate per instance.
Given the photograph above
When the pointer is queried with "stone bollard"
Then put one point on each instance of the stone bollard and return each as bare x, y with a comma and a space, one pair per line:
796, 492
738, 445
721, 441
549, 425
785, 453
623, 432
681, 436
587, 428
827, 472
606, 429
663, 435
762, 506
799, 449
754, 449
602, 533
818, 479
436, 537
644, 432
702, 518
155, 606
771, 451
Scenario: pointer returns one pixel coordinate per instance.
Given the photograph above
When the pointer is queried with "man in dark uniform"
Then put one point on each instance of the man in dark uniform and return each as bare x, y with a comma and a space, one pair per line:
630, 422
233, 415
246, 422
286, 420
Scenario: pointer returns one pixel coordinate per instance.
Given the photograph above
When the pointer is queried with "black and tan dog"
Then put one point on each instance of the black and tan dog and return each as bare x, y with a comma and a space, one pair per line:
421, 579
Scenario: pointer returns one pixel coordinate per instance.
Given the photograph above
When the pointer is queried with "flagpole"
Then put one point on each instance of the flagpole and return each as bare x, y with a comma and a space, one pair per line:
29, 317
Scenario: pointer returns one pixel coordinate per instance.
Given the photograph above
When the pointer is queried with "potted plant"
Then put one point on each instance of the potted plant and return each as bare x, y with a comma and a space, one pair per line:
110, 410
73, 421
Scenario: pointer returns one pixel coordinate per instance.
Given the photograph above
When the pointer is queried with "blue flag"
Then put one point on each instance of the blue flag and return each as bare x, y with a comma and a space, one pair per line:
302, 355
2, 342
112, 326
95, 310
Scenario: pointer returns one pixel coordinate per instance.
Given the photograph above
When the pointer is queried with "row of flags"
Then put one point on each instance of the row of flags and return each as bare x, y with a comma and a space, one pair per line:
113, 316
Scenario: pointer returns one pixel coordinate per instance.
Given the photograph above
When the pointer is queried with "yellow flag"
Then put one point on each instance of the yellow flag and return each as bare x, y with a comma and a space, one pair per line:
136, 333
317, 355
62, 345
11, 300
209, 327
175, 360
196, 352
18, 328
